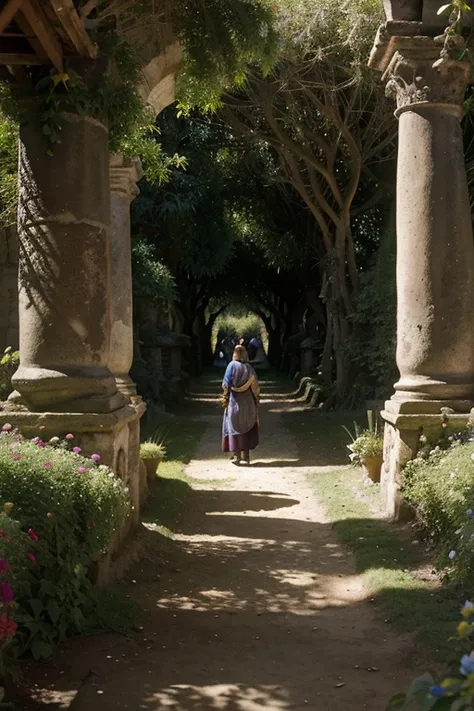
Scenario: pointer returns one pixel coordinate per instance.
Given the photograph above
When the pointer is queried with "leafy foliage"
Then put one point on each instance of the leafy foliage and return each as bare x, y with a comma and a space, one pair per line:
371, 347
221, 40
8, 171
151, 278
8, 365
439, 485
61, 511
152, 450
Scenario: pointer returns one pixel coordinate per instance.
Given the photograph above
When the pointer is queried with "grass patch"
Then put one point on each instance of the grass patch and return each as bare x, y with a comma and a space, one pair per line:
169, 494
390, 564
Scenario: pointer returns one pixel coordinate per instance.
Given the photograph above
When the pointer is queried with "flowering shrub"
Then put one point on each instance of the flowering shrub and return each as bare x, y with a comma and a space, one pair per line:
60, 511
440, 488
453, 693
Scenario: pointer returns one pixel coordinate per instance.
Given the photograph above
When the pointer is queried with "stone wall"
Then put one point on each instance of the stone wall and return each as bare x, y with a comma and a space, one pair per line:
9, 335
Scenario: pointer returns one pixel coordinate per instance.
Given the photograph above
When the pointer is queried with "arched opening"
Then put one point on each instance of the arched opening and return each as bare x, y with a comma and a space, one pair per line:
237, 326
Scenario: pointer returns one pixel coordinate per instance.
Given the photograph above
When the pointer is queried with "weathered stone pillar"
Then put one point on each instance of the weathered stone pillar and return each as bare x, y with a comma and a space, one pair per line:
124, 175
64, 270
435, 251
8, 288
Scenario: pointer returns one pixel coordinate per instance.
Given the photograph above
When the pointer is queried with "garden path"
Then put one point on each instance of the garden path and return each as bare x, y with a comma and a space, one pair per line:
253, 604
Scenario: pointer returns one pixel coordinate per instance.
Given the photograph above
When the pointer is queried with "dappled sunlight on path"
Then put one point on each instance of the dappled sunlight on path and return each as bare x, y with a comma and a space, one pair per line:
251, 605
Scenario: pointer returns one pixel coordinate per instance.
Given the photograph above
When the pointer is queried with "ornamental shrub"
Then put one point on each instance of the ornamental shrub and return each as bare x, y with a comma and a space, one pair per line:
152, 450
8, 365
60, 513
440, 489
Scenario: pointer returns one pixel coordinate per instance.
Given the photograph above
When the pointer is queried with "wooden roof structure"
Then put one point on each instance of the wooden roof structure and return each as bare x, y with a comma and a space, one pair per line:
35, 32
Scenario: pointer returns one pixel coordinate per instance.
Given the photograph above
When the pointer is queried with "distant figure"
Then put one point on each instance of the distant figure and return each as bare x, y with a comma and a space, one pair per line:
240, 430
227, 344
254, 344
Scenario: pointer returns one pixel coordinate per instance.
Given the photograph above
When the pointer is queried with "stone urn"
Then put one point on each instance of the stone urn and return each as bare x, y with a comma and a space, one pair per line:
372, 467
151, 466
151, 454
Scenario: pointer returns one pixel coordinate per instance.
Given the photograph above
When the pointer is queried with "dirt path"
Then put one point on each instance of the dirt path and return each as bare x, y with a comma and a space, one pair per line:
253, 605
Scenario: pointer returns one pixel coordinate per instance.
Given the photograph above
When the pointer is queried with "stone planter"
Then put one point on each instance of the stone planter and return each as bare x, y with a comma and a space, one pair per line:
151, 466
406, 10
372, 467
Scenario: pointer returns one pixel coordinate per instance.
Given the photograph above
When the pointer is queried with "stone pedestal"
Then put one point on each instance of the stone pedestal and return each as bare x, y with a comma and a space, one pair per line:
124, 174
435, 251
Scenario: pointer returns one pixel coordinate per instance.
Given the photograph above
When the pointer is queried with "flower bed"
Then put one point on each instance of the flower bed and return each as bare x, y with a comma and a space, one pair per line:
60, 510
455, 691
439, 485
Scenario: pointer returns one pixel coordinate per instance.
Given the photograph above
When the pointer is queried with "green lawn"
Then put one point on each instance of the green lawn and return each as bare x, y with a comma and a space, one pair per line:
397, 569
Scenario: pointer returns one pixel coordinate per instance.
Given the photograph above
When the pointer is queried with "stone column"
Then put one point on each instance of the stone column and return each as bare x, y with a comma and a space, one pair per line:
124, 174
435, 251
64, 270
8, 288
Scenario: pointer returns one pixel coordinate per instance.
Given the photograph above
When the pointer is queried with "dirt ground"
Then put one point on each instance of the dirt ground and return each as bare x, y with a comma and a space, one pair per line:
253, 605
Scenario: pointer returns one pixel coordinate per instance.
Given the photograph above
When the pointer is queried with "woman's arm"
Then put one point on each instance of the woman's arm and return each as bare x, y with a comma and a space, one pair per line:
227, 382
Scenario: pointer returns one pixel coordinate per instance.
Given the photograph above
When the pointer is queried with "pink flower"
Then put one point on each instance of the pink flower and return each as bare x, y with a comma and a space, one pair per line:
4, 567
7, 427
16, 457
42, 427
49, 514
81, 470
32, 557
95, 457
47, 465
39, 442
6, 593
76, 450
69, 436
3, 534
32, 534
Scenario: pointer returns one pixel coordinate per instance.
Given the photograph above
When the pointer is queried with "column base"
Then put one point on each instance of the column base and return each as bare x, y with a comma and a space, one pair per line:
125, 385
81, 389
405, 422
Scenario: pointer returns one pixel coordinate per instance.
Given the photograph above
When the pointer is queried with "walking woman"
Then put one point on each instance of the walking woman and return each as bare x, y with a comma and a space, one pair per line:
241, 393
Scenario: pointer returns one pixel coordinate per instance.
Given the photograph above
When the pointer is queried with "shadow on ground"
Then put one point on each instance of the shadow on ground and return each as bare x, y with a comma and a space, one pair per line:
253, 602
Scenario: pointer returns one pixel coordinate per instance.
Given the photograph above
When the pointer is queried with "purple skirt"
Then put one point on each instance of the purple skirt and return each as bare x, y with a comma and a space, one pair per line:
241, 442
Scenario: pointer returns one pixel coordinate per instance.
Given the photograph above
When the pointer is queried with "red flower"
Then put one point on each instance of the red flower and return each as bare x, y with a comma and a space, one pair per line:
6, 593
32, 557
92, 525
33, 535
3, 534
7, 627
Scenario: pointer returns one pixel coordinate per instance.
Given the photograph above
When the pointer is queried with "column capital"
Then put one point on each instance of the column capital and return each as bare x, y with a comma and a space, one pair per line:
420, 70
124, 175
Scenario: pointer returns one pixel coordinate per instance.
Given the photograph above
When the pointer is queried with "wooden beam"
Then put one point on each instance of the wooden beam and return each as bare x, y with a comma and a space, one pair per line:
74, 27
9, 12
17, 59
29, 34
44, 32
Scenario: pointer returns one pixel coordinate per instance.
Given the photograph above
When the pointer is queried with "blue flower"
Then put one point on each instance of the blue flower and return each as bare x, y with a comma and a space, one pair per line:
437, 691
452, 555
469, 513
467, 664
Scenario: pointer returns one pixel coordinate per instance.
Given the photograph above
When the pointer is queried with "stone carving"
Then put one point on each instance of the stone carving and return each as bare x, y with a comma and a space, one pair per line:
412, 78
